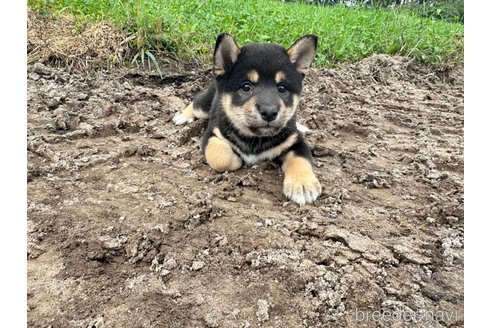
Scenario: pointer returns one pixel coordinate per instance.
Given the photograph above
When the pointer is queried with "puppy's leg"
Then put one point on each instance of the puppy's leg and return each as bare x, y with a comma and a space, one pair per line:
300, 182
199, 108
220, 156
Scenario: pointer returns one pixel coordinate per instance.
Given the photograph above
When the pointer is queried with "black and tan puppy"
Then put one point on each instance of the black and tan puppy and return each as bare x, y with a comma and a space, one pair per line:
251, 107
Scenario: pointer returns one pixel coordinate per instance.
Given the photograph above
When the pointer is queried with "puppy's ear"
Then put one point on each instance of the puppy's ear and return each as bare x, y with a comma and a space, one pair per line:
225, 54
302, 52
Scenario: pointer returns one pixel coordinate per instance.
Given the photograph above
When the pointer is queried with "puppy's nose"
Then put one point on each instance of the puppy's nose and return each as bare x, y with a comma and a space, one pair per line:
268, 113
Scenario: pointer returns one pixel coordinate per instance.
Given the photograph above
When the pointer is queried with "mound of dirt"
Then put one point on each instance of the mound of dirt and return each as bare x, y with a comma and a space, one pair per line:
64, 41
128, 227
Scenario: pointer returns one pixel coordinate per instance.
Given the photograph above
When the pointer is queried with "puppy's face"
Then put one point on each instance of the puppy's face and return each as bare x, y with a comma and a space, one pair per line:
260, 85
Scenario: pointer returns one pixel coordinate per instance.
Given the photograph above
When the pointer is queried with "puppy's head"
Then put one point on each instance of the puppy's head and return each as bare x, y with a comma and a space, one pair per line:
260, 85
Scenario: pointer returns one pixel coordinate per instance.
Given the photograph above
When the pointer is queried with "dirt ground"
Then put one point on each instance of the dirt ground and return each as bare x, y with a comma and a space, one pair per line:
128, 227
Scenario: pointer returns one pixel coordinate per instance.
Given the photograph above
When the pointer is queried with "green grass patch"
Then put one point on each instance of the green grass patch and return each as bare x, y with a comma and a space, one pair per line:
186, 30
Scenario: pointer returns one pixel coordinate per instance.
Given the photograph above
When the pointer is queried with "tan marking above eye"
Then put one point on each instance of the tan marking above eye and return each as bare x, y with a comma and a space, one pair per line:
253, 76
279, 77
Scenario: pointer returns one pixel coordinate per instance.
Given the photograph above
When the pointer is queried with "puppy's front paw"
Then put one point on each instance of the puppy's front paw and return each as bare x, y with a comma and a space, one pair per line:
300, 182
302, 189
181, 118
186, 116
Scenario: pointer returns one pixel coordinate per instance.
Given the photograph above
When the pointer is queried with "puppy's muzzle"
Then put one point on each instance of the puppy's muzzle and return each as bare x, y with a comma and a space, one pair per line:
268, 113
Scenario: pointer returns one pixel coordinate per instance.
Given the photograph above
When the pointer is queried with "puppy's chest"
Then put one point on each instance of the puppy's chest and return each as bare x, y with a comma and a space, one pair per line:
254, 151
251, 159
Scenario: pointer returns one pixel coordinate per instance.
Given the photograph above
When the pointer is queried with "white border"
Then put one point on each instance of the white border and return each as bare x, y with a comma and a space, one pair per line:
13, 238
478, 91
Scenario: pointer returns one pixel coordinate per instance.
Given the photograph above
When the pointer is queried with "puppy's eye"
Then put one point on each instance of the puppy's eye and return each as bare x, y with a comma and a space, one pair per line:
281, 88
247, 87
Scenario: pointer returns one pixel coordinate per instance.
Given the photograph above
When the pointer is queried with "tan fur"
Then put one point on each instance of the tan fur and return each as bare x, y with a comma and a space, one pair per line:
285, 112
188, 111
199, 113
279, 149
219, 155
218, 134
279, 77
240, 116
189, 114
185, 116
300, 182
298, 168
253, 76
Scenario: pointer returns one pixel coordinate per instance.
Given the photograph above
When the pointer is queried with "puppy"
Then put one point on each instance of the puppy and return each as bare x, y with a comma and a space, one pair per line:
251, 106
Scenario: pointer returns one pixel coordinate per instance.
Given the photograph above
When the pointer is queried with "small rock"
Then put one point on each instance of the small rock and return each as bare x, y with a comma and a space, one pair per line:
224, 241
172, 292
320, 151
82, 96
430, 220
170, 202
97, 323
199, 299
163, 228
262, 313
34, 250
285, 232
245, 324
400, 249
452, 219
212, 319
41, 69
113, 243
33, 76
433, 175
197, 265
53, 103
169, 264
235, 313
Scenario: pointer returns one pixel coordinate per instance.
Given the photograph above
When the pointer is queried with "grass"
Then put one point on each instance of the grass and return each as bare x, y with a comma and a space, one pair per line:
186, 30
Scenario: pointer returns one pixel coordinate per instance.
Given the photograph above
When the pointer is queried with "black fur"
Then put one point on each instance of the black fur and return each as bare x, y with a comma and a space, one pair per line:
204, 99
266, 59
